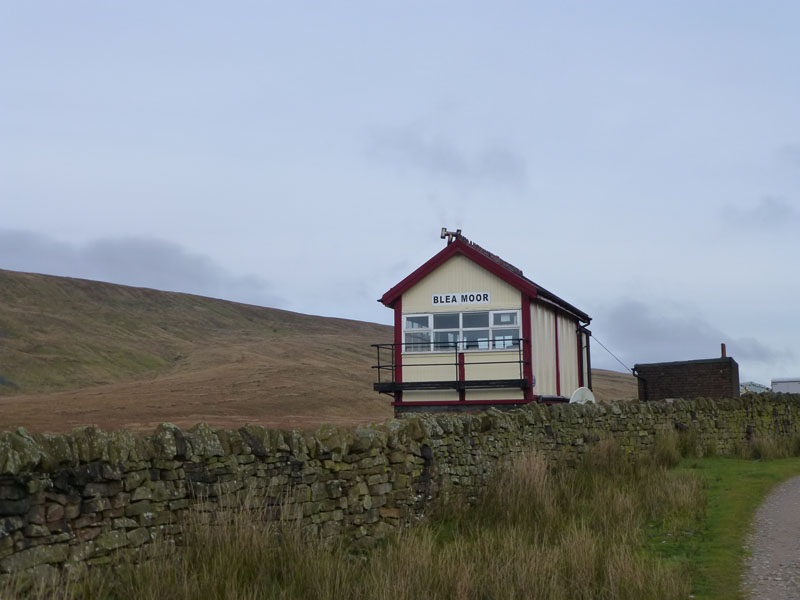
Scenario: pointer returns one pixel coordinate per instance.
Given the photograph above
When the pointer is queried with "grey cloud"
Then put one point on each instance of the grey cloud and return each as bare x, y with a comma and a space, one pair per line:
770, 213
137, 261
440, 158
638, 333
790, 153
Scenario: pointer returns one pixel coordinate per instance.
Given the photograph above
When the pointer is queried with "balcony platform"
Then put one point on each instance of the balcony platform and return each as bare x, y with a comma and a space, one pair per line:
390, 387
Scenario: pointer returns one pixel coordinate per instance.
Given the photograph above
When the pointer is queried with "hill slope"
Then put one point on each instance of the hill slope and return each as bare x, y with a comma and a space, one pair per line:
76, 352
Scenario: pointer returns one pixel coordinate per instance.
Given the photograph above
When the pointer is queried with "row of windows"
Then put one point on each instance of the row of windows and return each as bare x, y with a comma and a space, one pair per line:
475, 330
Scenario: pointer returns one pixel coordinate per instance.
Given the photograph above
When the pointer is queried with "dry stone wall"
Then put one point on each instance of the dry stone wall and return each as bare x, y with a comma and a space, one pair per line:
73, 501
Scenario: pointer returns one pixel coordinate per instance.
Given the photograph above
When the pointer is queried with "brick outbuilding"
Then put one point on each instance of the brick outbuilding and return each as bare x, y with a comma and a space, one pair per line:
708, 378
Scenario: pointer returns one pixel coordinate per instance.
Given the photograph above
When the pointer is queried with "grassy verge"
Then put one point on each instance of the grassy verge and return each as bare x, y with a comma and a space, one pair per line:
735, 488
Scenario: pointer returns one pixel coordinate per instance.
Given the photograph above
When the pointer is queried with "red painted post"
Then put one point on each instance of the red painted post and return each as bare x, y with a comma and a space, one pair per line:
462, 393
397, 355
527, 349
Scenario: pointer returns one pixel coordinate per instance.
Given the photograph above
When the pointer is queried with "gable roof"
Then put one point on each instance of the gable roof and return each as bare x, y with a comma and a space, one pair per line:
492, 263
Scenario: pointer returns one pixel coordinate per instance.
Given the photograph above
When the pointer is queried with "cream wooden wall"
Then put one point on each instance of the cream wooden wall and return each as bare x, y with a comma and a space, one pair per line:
568, 355
543, 332
460, 275
456, 275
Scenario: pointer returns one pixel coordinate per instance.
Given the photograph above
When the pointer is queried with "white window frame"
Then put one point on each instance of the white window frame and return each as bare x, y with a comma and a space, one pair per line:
428, 330
492, 329
496, 328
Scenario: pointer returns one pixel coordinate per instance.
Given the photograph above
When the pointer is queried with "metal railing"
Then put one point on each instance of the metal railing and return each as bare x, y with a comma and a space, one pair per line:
443, 350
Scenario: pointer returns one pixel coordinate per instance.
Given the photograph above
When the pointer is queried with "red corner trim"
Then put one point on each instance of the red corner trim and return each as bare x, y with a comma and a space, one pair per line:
580, 357
462, 393
398, 347
459, 247
527, 341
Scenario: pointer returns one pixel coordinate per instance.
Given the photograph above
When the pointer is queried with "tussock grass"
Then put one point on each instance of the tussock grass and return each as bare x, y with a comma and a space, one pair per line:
687, 444
771, 447
539, 532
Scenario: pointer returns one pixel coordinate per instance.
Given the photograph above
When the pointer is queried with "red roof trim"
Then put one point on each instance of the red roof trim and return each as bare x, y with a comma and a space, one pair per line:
459, 247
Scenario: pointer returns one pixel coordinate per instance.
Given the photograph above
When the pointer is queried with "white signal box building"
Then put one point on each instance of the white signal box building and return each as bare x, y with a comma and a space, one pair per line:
471, 331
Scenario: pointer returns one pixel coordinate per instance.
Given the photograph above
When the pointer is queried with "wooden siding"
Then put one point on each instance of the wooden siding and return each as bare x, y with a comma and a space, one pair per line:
568, 355
543, 332
459, 274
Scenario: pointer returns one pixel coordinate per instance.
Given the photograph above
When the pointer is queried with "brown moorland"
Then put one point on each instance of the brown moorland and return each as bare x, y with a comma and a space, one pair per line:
75, 352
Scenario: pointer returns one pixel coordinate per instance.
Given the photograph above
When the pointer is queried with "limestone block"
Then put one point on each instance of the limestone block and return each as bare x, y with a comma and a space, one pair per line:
135, 478
102, 489
32, 557
137, 537
390, 513
333, 440
164, 442
297, 445
110, 540
36, 531
137, 508
124, 523
380, 488
318, 491
302, 493
120, 500
72, 510
94, 505
19, 452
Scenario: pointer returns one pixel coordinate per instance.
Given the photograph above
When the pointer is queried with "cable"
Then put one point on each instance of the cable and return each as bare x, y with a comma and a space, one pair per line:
627, 368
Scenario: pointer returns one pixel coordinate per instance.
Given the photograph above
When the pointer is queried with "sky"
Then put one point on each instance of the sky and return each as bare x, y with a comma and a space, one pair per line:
639, 159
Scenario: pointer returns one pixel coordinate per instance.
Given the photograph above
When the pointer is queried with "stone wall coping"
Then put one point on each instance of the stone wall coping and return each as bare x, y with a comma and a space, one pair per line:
24, 452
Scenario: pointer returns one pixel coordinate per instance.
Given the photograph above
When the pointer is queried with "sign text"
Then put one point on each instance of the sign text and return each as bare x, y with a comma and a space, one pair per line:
461, 298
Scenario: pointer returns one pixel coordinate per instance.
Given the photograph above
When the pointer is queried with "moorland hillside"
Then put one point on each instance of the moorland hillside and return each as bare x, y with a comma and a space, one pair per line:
76, 352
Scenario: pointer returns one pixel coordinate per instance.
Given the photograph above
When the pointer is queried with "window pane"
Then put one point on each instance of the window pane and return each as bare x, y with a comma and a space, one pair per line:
419, 341
420, 322
476, 340
445, 321
505, 318
476, 319
506, 338
445, 340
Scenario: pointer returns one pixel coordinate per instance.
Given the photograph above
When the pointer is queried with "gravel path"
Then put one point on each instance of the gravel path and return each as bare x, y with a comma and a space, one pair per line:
774, 568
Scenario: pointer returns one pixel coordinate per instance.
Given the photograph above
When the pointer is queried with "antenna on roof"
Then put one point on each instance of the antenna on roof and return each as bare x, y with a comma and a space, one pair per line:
450, 235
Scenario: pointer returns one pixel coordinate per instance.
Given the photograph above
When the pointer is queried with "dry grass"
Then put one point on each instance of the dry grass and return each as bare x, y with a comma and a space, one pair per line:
538, 533
767, 448
610, 386
761, 447
84, 352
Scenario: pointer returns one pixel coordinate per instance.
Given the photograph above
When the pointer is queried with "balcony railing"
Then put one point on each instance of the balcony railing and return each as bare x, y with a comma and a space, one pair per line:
449, 355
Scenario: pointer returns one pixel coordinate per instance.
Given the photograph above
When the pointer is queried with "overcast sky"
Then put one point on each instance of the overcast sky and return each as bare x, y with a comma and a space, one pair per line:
639, 159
